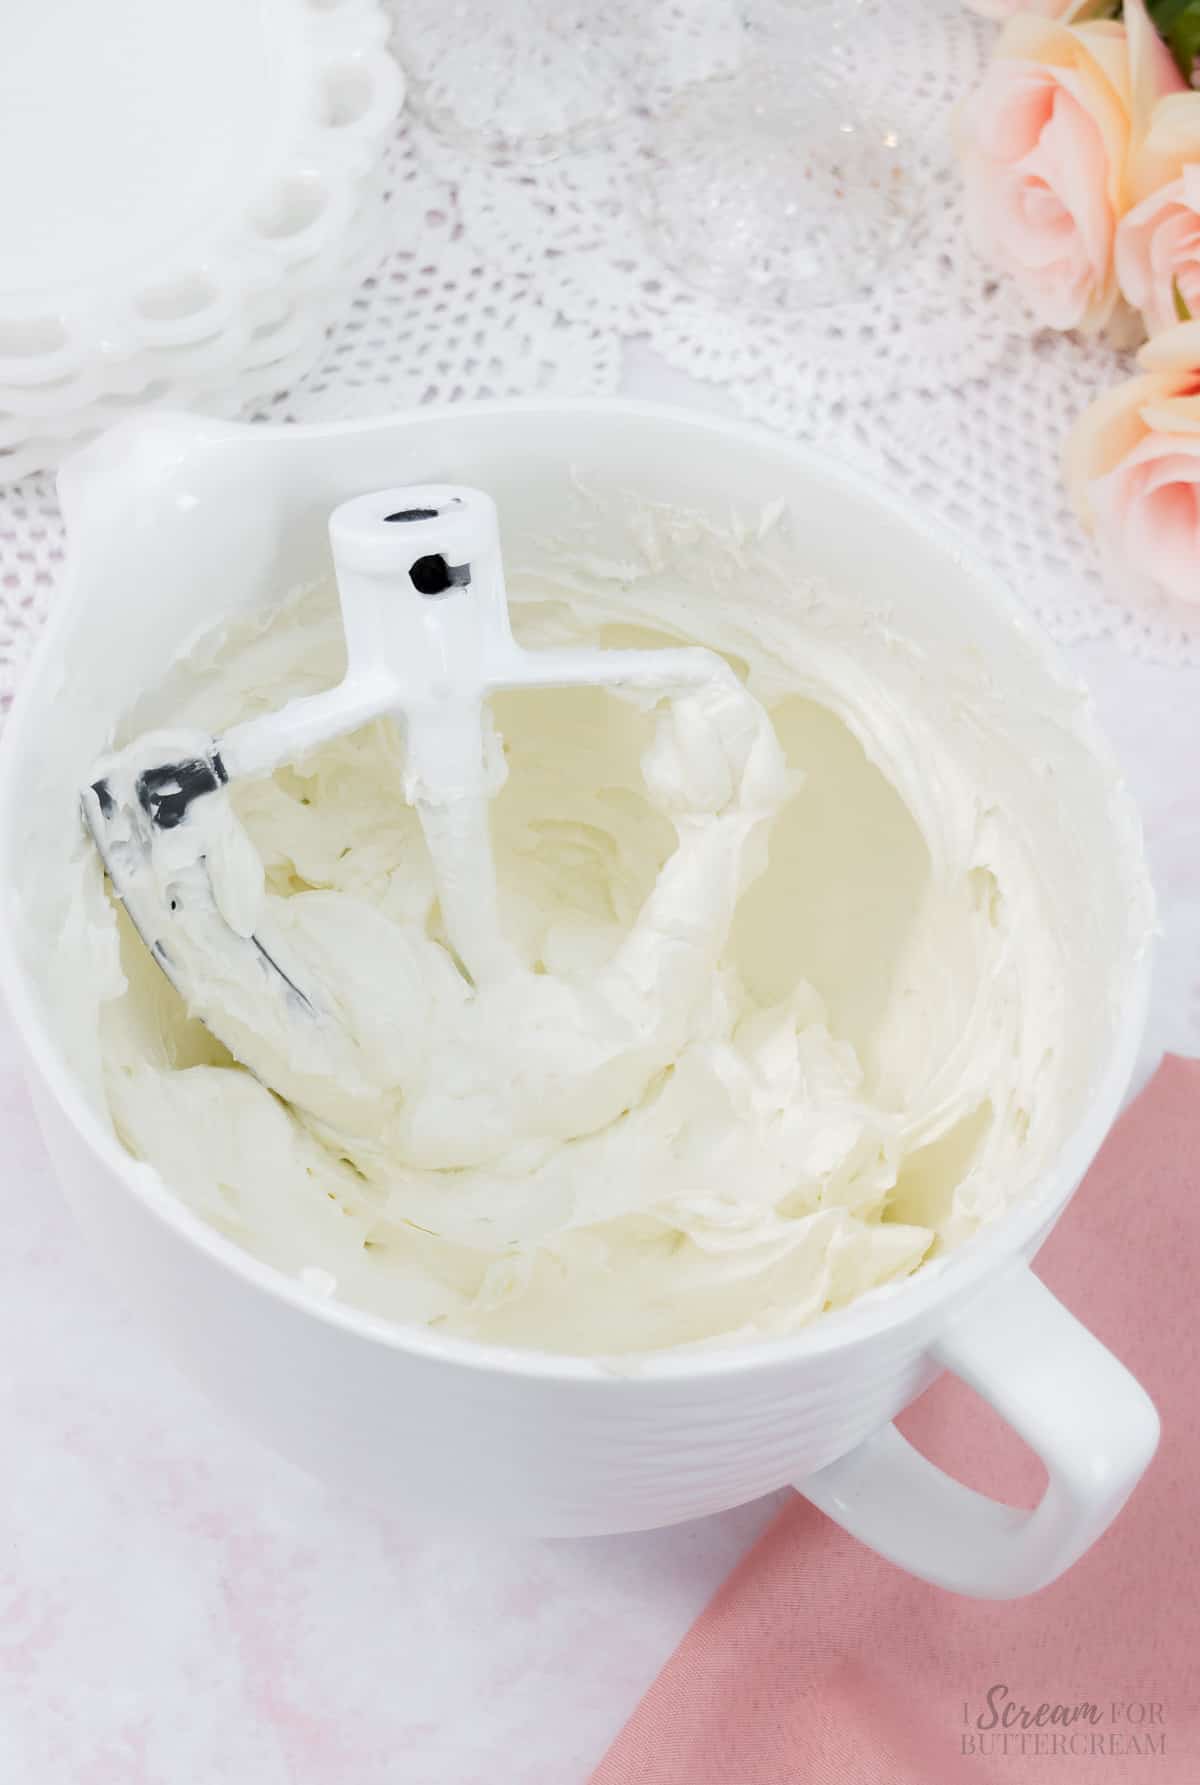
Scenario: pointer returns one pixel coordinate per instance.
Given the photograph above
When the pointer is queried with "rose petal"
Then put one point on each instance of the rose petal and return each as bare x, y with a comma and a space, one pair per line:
1167, 146
1175, 350
1070, 158
1147, 512
1011, 109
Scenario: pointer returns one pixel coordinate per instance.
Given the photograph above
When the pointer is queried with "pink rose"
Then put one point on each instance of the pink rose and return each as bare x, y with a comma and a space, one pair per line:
1158, 242
1133, 470
1044, 144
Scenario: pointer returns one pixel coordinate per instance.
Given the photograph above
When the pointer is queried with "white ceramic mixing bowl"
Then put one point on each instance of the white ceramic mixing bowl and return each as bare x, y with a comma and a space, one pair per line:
175, 521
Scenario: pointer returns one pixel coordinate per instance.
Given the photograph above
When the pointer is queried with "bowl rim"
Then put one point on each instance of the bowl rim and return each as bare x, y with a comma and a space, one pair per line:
891, 1307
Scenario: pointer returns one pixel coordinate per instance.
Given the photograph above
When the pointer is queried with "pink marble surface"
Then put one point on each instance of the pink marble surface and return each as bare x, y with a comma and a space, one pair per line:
181, 1608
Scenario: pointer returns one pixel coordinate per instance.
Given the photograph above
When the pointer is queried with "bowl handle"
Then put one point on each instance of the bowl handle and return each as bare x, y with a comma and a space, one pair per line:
1093, 1426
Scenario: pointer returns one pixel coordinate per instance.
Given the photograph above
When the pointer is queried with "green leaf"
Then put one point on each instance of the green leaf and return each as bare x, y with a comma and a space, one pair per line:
1178, 24
1181, 309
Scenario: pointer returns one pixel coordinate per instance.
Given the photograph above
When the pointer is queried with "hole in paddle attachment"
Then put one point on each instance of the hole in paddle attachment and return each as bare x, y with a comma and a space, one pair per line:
433, 576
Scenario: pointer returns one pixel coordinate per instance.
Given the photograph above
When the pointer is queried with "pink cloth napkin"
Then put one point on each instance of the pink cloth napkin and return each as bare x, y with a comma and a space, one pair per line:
817, 1662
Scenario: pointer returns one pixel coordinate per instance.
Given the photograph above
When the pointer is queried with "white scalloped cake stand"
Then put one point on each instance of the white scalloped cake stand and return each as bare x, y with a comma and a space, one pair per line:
181, 183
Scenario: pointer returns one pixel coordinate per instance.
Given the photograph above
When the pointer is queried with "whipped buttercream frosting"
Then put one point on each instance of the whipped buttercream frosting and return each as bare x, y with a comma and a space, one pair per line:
788, 1011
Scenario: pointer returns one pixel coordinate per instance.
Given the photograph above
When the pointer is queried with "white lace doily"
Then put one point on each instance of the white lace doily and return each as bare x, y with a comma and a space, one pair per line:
529, 278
